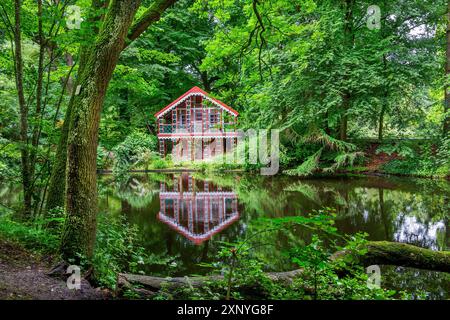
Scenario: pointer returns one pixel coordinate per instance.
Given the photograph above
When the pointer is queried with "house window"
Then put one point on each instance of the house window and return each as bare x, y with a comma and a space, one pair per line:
182, 119
213, 118
198, 116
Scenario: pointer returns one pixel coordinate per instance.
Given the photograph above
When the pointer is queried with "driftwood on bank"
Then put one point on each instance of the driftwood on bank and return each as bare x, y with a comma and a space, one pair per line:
378, 253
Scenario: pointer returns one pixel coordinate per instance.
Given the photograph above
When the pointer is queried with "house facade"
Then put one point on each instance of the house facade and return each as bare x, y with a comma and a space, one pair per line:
196, 126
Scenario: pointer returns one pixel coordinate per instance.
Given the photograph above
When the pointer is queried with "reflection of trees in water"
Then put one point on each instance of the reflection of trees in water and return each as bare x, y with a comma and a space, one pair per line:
435, 284
378, 206
423, 234
136, 192
406, 215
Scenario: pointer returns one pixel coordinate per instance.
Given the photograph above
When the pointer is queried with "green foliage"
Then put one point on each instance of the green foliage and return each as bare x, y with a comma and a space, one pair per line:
103, 158
119, 248
402, 149
321, 278
426, 159
136, 149
37, 236
332, 155
443, 154
116, 250
9, 159
158, 163
324, 277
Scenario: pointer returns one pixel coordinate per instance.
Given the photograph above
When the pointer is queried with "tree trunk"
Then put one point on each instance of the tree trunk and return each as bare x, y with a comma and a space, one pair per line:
151, 285
344, 122
400, 254
57, 183
447, 78
81, 180
348, 42
380, 123
344, 118
25, 157
385, 103
56, 191
37, 127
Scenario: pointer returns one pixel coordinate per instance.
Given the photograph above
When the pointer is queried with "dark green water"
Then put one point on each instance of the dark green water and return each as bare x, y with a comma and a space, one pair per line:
187, 215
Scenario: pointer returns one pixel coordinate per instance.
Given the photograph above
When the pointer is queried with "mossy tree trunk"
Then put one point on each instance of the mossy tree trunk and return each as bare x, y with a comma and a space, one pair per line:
56, 193
98, 64
400, 254
57, 183
23, 111
446, 130
82, 140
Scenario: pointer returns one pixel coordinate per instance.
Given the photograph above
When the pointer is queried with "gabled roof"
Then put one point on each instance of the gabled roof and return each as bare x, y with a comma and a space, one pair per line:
198, 238
195, 91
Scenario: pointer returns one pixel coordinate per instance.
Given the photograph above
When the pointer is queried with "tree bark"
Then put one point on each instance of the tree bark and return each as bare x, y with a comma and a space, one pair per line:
447, 78
57, 183
56, 191
81, 180
400, 254
385, 102
348, 43
344, 117
152, 285
23, 108
37, 127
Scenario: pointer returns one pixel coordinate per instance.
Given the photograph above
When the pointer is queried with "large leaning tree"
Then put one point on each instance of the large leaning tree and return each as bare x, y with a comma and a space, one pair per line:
73, 182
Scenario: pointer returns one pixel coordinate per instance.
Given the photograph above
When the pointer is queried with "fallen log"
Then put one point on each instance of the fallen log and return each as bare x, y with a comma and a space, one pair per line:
149, 285
378, 253
399, 254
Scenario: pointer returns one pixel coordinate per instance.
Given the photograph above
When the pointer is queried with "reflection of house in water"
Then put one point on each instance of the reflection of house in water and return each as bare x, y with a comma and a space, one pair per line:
197, 209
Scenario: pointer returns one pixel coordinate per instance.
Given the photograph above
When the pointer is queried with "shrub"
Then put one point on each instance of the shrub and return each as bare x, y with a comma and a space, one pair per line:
135, 149
38, 236
119, 248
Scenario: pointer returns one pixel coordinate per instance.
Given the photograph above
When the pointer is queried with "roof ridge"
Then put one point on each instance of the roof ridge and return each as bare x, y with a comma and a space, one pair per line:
192, 90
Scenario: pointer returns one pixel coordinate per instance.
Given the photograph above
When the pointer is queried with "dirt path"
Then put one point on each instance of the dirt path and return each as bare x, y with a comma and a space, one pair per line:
23, 276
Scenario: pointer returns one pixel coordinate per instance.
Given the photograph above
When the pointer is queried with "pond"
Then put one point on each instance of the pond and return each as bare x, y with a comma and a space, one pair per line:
185, 217
188, 215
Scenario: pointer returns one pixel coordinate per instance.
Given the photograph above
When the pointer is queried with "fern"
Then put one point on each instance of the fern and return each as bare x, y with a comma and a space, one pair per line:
344, 159
346, 154
307, 167
319, 136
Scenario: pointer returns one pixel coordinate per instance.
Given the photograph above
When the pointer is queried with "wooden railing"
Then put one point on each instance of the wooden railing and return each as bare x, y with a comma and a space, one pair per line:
195, 127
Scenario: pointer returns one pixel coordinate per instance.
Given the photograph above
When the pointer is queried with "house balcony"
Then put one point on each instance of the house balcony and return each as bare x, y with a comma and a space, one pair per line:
197, 129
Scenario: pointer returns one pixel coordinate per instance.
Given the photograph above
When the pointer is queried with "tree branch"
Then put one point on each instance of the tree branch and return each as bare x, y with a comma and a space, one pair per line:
152, 15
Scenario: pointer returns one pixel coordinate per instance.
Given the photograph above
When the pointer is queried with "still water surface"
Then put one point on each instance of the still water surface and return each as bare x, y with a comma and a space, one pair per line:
187, 215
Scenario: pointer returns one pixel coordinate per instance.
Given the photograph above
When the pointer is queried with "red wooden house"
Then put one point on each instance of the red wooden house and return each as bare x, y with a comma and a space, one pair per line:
197, 125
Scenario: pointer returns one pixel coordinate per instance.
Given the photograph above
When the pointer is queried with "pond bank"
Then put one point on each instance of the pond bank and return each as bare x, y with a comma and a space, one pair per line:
375, 163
